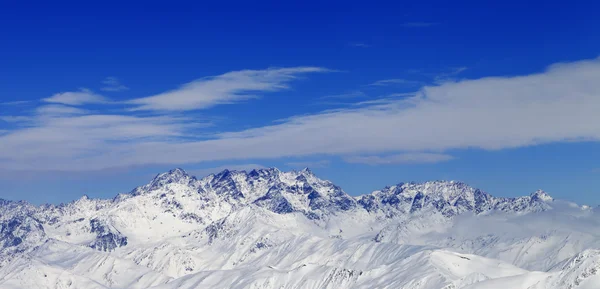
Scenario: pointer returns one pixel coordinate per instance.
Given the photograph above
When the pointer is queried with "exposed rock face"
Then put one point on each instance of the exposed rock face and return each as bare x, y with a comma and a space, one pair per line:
276, 191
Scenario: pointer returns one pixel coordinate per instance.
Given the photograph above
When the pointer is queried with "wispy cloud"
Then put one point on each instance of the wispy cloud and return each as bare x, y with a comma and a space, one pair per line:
556, 105
396, 81
83, 96
113, 84
347, 95
419, 24
309, 164
15, 118
448, 75
59, 110
405, 158
227, 88
444, 75
18, 102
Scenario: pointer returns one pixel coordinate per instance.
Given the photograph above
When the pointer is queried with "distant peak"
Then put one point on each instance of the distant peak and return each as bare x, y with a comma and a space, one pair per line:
442, 183
177, 171
172, 176
273, 169
265, 171
542, 196
306, 171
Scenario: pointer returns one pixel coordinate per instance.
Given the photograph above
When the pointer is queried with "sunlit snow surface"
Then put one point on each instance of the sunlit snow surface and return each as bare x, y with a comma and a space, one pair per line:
273, 229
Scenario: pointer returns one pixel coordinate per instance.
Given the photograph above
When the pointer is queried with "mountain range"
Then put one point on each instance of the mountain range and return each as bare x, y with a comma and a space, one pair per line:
272, 229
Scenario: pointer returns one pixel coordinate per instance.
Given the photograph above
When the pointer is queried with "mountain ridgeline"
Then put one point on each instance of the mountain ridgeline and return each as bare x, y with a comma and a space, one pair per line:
271, 189
238, 229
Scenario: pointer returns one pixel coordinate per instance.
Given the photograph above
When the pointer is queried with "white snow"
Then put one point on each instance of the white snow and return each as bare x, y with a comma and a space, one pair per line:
273, 229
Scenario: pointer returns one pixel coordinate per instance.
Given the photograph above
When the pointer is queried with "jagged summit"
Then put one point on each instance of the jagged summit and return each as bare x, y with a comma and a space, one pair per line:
286, 224
174, 175
542, 196
306, 170
184, 197
302, 191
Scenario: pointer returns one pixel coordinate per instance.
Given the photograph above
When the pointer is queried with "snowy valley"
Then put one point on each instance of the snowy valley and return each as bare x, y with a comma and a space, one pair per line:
272, 229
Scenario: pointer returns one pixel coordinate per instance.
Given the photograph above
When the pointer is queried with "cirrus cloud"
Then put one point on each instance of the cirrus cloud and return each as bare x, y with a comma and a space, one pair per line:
113, 84
83, 96
227, 88
406, 158
557, 105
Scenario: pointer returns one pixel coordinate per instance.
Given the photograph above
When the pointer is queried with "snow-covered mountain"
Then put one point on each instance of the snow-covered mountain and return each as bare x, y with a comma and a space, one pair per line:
272, 229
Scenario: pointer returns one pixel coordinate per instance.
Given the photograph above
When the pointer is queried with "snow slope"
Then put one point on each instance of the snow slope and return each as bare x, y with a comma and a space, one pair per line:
272, 229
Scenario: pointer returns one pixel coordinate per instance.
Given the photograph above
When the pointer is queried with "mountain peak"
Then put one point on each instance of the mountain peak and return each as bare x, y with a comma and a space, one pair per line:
176, 175
273, 188
306, 171
272, 170
542, 196
224, 172
177, 171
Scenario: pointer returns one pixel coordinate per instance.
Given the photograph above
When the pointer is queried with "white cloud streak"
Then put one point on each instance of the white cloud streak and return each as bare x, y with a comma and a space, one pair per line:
557, 105
15, 103
68, 141
309, 164
83, 96
406, 158
348, 95
396, 81
113, 84
227, 88
448, 75
59, 110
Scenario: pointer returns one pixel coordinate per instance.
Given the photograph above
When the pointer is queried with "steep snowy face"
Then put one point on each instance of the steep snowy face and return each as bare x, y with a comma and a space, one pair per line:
170, 205
164, 181
279, 192
18, 235
449, 198
272, 229
175, 202
20, 231
10, 209
173, 176
541, 196
579, 272
582, 269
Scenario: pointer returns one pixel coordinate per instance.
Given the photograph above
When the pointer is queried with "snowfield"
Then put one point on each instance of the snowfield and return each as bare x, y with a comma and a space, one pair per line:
272, 229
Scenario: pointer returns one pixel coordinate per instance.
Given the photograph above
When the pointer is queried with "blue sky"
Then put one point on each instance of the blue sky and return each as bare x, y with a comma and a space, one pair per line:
96, 99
